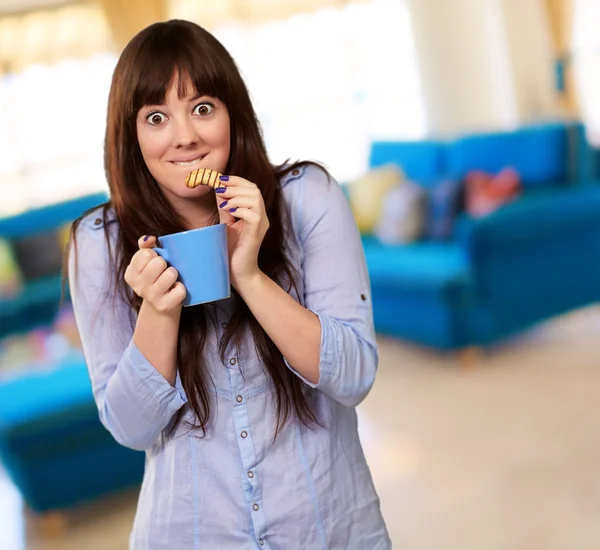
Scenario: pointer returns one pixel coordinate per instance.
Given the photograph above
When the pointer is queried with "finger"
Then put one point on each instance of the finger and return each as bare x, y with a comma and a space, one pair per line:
140, 260
235, 181
166, 280
177, 293
250, 202
247, 215
225, 193
147, 241
238, 191
224, 215
154, 269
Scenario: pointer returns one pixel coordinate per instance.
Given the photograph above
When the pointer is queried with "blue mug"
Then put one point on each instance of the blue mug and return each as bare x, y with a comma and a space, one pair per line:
200, 257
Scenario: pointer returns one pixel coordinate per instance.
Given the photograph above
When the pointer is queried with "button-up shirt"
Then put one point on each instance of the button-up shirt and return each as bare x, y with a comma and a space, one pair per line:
238, 487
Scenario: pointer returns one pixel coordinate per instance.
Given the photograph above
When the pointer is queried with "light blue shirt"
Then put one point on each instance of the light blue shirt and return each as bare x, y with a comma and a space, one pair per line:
237, 488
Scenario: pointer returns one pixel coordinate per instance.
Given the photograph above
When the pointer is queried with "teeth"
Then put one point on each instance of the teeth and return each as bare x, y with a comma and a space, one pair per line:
188, 163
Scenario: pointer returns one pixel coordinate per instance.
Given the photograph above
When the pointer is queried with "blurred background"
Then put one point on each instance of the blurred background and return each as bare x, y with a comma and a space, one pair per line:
466, 136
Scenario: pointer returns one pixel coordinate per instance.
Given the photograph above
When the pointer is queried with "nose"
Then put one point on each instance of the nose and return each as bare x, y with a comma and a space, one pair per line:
185, 133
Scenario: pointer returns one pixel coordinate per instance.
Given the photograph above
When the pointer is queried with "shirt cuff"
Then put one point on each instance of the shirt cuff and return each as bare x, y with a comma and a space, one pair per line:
326, 353
173, 397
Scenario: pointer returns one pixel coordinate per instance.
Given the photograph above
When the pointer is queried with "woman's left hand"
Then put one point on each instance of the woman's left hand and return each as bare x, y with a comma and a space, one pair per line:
242, 208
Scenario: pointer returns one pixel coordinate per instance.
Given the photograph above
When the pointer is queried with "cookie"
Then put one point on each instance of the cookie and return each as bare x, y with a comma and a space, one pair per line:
203, 176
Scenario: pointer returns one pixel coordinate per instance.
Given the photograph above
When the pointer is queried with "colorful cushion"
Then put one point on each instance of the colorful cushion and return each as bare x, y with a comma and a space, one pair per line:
10, 275
367, 193
403, 214
487, 192
39, 255
444, 204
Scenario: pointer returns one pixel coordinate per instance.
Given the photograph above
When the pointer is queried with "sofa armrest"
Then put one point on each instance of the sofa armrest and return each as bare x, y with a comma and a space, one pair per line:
535, 258
532, 219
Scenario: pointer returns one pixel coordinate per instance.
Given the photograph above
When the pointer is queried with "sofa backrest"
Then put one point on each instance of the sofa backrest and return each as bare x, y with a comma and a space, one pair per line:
48, 218
539, 154
543, 154
424, 162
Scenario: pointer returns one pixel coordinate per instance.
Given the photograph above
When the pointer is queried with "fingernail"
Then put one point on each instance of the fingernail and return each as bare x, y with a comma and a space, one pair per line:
146, 237
222, 204
220, 189
224, 178
232, 209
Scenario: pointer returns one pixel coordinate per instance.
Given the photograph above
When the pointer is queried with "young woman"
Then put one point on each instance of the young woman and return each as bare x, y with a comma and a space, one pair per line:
245, 407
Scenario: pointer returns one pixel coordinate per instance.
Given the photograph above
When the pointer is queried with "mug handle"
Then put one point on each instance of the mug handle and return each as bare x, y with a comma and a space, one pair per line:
161, 252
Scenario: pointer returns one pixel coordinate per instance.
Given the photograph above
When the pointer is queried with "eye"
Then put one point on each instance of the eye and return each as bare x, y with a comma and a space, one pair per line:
203, 109
155, 118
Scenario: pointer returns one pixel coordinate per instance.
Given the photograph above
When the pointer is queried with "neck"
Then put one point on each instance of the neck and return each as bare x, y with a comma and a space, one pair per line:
197, 212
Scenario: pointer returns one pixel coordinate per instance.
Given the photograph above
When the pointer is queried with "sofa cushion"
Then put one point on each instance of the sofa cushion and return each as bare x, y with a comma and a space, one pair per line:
367, 195
424, 265
488, 192
38, 400
403, 214
444, 204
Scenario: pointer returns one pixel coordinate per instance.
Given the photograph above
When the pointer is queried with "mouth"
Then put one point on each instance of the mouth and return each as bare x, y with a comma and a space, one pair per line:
187, 163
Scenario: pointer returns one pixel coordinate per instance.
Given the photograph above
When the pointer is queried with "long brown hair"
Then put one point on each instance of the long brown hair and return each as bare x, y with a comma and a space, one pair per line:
142, 77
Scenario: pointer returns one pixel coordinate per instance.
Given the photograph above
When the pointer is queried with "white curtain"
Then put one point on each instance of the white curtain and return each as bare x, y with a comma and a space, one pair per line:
324, 85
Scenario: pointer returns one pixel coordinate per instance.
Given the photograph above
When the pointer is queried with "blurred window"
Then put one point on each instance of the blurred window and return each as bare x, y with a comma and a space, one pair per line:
324, 85
586, 63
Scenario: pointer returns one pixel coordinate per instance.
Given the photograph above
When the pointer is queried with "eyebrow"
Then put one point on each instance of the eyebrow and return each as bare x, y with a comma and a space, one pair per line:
196, 97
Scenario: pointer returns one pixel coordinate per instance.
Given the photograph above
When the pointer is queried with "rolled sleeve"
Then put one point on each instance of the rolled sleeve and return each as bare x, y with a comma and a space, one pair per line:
135, 402
336, 288
136, 382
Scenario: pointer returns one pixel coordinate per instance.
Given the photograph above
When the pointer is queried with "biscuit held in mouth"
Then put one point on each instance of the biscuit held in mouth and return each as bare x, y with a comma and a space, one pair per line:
203, 176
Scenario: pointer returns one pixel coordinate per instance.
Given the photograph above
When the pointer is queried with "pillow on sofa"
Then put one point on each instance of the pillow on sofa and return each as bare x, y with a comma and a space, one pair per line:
366, 195
487, 192
445, 202
403, 214
10, 275
38, 255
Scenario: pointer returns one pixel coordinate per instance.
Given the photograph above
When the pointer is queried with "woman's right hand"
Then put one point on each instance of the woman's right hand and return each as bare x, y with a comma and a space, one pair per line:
152, 280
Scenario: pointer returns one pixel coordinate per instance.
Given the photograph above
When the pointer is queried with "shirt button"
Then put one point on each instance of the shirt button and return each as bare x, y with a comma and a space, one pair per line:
244, 434
224, 325
239, 398
97, 221
295, 172
250, 474
261, 542
232, 361
255, 507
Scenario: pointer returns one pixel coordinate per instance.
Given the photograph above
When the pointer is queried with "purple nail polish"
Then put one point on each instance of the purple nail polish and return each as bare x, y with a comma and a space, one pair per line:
222, 204
220, 189
232, 209
146, 237
224, 178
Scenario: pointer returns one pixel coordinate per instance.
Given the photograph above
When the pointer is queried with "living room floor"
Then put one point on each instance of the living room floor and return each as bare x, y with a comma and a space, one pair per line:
504, 456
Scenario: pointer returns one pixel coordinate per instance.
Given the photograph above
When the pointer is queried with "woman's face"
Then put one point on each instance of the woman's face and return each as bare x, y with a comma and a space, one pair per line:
183, 135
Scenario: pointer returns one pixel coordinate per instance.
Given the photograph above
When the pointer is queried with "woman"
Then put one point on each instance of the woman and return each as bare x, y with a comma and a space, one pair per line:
245, 407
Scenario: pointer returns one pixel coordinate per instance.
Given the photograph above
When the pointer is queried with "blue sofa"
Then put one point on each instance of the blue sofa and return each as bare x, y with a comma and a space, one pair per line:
38, 302
530, 260
52, 443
